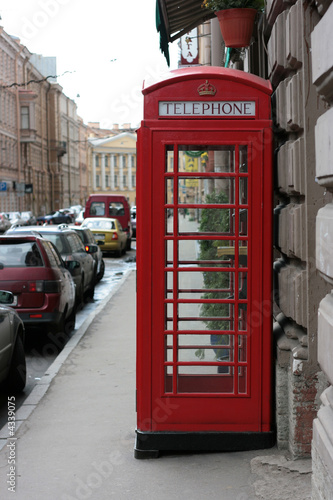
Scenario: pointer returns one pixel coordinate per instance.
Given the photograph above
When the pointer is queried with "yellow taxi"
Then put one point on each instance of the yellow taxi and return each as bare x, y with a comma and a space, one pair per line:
108, 234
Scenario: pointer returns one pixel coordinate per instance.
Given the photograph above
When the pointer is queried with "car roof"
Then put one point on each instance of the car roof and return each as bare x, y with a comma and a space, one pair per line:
21, 230
59, 229
24, 237
94, 219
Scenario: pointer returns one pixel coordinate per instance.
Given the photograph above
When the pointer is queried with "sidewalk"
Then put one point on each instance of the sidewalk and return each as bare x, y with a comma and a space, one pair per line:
77, 433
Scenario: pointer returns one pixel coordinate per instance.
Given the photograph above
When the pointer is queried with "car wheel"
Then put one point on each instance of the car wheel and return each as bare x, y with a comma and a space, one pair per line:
80, 295
119, 252
101, 271
16, 378
128, 244
69, 323
89, 295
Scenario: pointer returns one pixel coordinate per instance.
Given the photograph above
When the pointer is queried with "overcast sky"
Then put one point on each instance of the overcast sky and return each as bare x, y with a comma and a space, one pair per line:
108, 47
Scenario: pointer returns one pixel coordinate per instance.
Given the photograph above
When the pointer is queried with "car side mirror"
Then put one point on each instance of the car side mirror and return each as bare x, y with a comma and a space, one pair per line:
6, 298
91, 248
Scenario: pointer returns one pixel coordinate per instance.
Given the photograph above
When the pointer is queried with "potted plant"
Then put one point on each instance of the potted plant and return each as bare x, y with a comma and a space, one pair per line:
236, 18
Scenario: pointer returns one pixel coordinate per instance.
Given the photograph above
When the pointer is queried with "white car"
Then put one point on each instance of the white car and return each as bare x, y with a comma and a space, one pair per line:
79, 219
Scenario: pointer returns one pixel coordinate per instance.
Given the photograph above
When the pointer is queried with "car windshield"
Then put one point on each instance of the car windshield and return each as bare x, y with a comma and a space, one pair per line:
16, 254
99, 224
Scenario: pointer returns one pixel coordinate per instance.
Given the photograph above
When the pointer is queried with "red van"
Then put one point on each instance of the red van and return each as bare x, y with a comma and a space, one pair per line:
111, 205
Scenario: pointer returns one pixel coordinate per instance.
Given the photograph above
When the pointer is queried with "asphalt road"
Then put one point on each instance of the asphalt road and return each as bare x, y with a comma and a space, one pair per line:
41, 351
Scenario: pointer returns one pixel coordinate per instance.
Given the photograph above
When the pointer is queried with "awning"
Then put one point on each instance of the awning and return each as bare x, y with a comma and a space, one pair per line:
175, 18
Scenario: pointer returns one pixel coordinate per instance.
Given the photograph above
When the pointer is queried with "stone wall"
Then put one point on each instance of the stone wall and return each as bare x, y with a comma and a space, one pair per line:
322, 75
298, 286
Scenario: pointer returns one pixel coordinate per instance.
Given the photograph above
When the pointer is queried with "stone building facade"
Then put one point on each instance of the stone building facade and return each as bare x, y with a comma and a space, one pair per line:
44, 147
113, 167
322, 78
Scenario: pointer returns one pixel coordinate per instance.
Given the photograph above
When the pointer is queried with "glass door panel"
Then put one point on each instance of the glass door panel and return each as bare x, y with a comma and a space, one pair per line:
206, 275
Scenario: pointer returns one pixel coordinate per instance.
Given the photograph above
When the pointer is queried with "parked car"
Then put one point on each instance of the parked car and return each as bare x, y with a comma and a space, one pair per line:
71, 248
76, 209
12, 357
44, 291
88, 238
69, 211
79, 219
15, 218
111, 206
108, 233
55, 217
4, 223
29, 218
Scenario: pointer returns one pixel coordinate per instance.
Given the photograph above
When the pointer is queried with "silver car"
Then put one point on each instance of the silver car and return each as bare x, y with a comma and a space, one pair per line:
12, 356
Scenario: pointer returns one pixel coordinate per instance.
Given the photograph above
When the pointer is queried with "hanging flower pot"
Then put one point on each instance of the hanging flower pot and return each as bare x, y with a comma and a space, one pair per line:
236, 26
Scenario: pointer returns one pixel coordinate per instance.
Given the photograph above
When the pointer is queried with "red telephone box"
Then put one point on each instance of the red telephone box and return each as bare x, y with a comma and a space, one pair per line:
204, 261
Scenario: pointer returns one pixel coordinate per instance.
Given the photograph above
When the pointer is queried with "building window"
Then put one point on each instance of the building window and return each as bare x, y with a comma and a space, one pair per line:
25, 118
133, 180
115, 161
107, 182
116, 180
97, 180
106, 161
124, 180
97, 161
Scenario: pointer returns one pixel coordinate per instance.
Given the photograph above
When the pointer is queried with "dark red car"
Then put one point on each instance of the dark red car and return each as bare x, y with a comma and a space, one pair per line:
44, 291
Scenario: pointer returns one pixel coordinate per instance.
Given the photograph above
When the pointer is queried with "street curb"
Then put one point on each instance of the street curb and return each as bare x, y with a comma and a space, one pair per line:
42, 386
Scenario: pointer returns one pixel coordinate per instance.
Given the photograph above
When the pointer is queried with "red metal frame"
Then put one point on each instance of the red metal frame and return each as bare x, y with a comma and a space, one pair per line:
167, 403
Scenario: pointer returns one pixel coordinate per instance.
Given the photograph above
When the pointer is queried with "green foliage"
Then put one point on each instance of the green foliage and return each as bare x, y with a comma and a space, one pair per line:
216, 5
214, 221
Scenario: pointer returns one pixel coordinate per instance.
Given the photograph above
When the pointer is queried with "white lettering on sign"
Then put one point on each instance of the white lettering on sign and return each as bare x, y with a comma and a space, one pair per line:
207, 108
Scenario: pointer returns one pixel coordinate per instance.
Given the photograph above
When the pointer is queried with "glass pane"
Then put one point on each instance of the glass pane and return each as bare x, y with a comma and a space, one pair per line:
242, 318
243, 199
195, 190
201, 158
243, 222
205, 285
242, 379
206, 221
242, 348
169, 325
243, 165
204, 252
215, 347
169, 191
242, 287
209, 379
242, 254
169, 253
205, 316
168, 349
168, 286
169, 159
169, 311
169, 221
